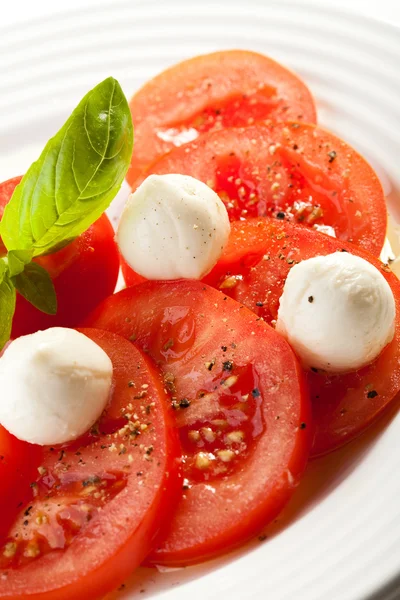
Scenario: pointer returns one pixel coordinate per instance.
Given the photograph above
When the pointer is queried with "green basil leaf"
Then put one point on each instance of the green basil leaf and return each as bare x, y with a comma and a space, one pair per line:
17, 259
3, 269
7, 308
77, 175
35, 285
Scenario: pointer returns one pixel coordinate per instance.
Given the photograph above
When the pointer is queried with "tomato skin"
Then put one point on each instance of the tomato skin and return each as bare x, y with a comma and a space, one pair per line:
296, 172
182, 325
130, 276
18, 467
261, 252
84, 273
116, 539
231, 88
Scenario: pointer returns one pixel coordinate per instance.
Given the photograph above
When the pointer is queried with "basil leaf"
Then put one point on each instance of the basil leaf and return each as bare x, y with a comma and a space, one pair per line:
17, 259
3, 269
35, 285
7, 308
77, 175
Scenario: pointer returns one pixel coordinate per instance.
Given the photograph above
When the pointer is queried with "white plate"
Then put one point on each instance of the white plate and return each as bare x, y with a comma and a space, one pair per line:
340, 537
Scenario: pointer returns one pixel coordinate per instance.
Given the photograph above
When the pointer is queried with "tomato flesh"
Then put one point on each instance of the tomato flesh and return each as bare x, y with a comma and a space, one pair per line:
253, 270
231, 88
241, 410
84, 273
295, 172
95, 507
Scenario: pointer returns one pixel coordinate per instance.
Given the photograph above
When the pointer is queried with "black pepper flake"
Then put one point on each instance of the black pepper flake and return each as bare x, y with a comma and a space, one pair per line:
130, 384
227, 365
91, 481
295, 147
95, 429
262, 537
372, 394
183, 403
314, 369
139, 473
211, 364
303, 425
259, 303
149, 450
62, 454
224, 348
28, 510
280, 215
311, 299
140, 395
256, 393
148, 409
26, 523
332, 155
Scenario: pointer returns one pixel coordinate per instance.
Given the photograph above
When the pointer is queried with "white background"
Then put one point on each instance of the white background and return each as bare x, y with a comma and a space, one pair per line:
16, 10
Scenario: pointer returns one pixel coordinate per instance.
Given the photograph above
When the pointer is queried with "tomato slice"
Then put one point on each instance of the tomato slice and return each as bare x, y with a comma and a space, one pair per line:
241, 409
253, 270
18, 463
295, 172
84, 273
231, 88
96, 502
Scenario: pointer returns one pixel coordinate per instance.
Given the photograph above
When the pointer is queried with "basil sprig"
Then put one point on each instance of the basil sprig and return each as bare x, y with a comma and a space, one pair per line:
7, 304
66, 190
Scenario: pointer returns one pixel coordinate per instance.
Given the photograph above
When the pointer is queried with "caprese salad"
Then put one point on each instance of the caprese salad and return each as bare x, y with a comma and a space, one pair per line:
172, 421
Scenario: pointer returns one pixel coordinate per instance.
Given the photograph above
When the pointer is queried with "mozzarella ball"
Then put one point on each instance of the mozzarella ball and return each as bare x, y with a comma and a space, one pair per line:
172, 227
337, 312
54, 385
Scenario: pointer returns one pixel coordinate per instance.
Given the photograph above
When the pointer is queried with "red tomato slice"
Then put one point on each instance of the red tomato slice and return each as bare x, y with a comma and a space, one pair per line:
253, 270
84, 273
231, 88
241, 410
291, 171
18, 463
96, 502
